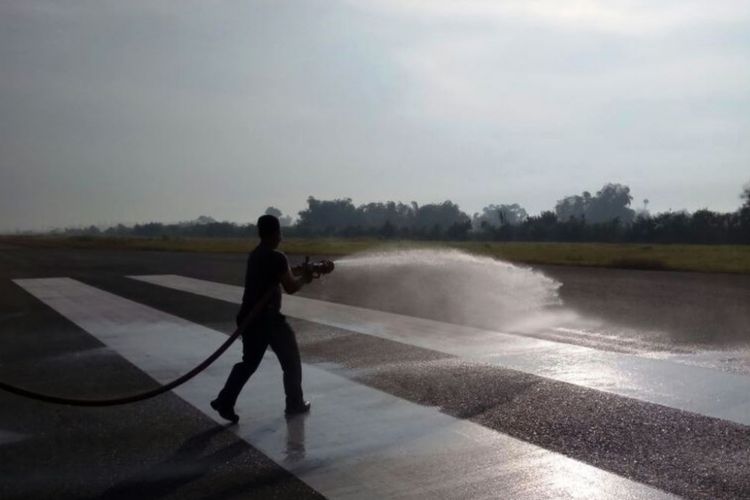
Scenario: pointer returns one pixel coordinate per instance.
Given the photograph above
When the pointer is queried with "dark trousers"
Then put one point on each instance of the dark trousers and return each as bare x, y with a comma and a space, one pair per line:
267, 331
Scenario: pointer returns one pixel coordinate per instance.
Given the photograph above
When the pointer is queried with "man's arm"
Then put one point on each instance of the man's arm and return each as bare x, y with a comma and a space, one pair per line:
291, 284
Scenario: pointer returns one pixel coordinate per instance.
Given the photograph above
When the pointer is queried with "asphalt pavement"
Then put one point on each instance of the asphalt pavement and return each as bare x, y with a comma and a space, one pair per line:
533, 436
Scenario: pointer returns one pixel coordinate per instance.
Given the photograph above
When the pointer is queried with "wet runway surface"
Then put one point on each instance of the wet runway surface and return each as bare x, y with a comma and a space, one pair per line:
394, 415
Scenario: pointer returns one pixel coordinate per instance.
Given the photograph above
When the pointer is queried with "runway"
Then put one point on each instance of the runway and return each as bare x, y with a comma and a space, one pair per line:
707, 392
402, 406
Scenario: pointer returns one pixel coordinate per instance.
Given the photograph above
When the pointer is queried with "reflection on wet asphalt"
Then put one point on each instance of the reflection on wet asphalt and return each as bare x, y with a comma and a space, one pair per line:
616, 446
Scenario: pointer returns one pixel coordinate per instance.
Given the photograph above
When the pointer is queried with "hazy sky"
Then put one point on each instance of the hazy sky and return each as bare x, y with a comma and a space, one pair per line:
133, 111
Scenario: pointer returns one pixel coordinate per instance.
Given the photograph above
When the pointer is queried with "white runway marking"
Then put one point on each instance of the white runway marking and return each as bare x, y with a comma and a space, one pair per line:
699, 390
357, 442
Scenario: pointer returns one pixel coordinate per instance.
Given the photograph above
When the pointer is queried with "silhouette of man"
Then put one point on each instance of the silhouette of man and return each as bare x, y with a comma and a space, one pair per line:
267, 270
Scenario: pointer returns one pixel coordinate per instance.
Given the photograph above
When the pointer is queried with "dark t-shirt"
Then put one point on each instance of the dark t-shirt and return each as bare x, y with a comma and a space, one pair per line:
265, 267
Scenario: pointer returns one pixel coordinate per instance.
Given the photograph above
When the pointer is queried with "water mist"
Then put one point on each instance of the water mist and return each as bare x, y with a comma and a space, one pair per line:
445, 285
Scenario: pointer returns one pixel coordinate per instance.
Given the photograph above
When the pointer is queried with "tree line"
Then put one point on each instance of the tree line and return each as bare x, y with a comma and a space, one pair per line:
606, 216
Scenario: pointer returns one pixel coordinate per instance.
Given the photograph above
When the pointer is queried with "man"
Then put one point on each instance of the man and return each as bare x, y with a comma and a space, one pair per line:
267, 268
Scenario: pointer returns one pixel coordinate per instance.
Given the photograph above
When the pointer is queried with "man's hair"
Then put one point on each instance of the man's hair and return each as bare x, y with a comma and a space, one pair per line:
268, 225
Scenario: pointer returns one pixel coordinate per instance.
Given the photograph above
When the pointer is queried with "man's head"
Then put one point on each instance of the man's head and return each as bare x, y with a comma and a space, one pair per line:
269, 230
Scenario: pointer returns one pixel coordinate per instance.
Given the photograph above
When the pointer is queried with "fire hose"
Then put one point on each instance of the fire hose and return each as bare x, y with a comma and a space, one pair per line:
313, 270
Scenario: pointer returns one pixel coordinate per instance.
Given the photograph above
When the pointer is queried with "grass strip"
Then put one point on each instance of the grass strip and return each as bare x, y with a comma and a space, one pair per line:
696, 258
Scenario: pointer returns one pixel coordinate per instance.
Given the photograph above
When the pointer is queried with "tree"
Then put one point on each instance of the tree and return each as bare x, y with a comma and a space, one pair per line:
327, 216
708, 227
743, 218
273, 211
573, 207
500, 215
458, 231
202, 219
377, 214
284, 220
439, 214
611, 202
541, 227
672, 227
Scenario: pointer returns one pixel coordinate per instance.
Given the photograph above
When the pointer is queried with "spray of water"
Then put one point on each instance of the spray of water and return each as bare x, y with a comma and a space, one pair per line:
461, 288
446, 285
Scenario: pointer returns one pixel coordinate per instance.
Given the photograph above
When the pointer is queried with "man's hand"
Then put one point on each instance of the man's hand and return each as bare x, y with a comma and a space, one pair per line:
304, 273
307, 276
291, 284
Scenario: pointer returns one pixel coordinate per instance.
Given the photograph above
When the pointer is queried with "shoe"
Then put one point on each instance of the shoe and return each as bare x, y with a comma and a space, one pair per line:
225, 412
302, 407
